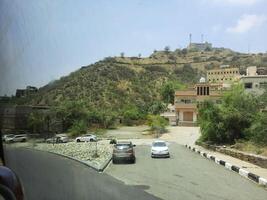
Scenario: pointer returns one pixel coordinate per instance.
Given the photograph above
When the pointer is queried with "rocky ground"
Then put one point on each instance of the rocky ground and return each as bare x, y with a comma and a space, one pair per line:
86, 151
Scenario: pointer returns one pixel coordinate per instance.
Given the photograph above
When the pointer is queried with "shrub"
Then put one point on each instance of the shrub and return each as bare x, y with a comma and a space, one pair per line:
157, 123
79, 127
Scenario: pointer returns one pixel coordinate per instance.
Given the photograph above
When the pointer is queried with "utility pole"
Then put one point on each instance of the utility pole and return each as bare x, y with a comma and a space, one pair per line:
190, 38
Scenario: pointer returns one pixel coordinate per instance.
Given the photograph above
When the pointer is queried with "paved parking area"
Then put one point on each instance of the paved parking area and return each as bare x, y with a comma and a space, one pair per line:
185, 175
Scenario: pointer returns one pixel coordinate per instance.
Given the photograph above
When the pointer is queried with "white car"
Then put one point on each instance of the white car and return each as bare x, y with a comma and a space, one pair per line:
58, 139
160, 149
86, 138
7, 136
16, 138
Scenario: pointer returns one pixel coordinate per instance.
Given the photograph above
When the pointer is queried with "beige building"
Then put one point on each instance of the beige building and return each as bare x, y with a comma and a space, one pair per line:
186, 102
223, 75
171, 115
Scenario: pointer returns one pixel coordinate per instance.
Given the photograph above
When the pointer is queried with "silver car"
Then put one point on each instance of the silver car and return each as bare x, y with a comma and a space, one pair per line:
16, 138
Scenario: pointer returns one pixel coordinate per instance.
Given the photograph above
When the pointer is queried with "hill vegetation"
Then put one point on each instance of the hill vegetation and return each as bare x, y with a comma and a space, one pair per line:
128, 88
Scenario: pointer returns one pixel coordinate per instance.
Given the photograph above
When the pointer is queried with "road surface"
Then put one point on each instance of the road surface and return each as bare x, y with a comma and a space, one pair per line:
186, 176
46, 176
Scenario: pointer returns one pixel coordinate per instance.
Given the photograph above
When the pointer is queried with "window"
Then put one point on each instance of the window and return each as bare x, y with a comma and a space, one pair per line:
248, 85
263, 84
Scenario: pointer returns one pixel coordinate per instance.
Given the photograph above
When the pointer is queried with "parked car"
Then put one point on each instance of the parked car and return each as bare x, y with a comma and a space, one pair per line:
86, 138
16, 138
4, 137
58, 139
123, 151
160, 148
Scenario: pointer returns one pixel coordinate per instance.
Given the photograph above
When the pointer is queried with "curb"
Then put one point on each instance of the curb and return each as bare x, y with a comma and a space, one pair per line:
88, 163
253, 177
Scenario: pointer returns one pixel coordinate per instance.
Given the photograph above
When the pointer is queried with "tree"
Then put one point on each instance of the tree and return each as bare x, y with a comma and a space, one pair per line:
122, 54
71, 111
139, 55
156, 107
157, 123
229, 121
168, 90
79, 127
37, 121
167, 49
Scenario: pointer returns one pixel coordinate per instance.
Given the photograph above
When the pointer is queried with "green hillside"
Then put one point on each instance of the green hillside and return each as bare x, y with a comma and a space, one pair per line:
131, 87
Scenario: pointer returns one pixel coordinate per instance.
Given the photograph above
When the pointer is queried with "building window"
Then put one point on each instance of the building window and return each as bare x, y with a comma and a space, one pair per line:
201, 91
197, 90
263, 84
208, 90
248, 85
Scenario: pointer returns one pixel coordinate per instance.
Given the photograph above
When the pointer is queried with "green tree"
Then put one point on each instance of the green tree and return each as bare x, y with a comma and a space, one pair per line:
229, 121
71, 111
78, 127
168, 91
38, 121
157, 123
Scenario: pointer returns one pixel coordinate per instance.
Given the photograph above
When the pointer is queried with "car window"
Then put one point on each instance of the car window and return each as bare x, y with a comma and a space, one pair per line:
123, 146
159, 144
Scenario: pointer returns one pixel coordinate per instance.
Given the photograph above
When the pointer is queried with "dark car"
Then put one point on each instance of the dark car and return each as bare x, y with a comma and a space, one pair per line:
123, 151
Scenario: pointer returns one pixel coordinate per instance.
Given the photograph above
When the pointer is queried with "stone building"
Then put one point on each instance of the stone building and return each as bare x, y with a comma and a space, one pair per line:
223, 75
187, 101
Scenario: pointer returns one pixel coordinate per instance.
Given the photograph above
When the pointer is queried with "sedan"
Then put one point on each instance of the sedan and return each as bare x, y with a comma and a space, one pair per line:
160, 149
86, 138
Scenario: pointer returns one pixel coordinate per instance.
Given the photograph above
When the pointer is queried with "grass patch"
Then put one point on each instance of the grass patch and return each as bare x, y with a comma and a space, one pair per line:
250, 147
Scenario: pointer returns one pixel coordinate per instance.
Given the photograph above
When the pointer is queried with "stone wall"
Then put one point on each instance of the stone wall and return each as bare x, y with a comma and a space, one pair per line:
251, 158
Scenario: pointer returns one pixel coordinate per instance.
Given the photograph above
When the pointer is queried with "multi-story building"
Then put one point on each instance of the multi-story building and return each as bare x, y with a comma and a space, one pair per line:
223, 75
253, 82
186, 102
25, 92
200, 46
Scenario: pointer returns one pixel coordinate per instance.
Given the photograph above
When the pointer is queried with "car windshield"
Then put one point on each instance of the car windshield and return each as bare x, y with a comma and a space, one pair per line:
123, 146
159, 144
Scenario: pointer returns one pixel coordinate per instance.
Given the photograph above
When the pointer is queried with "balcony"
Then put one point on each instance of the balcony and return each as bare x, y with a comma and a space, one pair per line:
185, 105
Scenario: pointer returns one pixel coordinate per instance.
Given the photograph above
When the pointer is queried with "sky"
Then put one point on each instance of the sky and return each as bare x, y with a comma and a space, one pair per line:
43, 40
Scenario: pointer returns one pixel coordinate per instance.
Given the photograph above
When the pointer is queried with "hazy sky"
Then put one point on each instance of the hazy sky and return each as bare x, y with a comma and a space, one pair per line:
42, 40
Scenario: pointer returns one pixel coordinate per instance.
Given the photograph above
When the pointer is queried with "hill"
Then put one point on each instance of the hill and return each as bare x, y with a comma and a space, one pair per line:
120, 84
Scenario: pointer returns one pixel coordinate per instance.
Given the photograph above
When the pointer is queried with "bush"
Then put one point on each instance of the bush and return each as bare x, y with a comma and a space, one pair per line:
79, 127
157, 123
229, 121
258, 130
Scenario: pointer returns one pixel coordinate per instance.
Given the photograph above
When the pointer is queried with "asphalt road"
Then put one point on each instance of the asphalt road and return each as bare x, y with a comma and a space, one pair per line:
186, 176
50, 177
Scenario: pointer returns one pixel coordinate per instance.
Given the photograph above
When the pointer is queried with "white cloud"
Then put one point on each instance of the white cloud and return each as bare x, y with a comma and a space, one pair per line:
246, 23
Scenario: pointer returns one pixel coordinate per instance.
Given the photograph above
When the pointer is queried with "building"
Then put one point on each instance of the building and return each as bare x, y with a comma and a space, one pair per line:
171, 115
253, 82
187, 101
15, 118
199, 46
26, 92
223, 75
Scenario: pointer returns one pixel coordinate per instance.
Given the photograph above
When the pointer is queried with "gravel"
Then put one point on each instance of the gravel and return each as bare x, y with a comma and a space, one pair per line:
84, 151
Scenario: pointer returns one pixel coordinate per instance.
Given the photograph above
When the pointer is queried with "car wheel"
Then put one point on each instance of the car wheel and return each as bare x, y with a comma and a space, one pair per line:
91, 140
134, 160
24, 140
78, 140
114, 161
